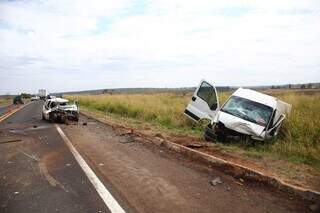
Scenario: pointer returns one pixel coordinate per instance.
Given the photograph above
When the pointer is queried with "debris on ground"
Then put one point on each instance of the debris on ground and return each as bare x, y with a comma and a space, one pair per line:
159, 135
195, 145
129, 132
216, 181
84, 123
127, 139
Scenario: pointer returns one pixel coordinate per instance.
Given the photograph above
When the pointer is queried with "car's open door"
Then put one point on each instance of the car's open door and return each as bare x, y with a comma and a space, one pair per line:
204, 103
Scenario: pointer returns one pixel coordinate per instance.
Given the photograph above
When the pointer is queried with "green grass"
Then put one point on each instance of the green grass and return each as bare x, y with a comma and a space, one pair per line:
299, 139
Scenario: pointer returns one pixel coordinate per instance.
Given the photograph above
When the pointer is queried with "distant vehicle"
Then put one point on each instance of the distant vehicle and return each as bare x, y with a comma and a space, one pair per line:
59, 110
35, 98
50, 97
246, 113
42, 94
18, 100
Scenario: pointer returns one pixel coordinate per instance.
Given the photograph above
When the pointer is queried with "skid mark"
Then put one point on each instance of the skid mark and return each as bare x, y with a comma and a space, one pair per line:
52, 181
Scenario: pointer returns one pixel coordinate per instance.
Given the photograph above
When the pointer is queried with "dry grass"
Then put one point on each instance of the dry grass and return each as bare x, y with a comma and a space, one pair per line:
5, 101
299, 140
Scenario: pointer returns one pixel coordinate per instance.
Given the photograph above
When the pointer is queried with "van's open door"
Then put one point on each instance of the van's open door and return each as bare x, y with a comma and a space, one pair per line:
204, 103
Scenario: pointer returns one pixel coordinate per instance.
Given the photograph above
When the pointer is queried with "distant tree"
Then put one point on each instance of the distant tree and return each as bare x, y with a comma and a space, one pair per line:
302, 86
273, 87
290, 86
309, 86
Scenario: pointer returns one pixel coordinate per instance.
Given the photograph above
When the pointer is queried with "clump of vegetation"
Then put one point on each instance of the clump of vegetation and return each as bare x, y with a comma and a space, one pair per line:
299, 140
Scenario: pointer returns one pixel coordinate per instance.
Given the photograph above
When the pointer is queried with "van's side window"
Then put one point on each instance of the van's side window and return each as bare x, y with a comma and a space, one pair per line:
207, 93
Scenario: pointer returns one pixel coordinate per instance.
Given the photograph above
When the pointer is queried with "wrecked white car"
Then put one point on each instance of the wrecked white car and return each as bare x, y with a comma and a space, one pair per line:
59, 110
246, 113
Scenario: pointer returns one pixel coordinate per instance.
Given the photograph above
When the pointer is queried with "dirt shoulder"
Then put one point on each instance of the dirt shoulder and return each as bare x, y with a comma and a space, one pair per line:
152, 178
296, 174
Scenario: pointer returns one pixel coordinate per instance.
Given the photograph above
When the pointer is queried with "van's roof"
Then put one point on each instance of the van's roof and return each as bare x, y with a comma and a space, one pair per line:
257, 97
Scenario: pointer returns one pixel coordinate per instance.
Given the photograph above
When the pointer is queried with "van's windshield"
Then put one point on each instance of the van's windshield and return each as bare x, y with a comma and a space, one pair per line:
248, 110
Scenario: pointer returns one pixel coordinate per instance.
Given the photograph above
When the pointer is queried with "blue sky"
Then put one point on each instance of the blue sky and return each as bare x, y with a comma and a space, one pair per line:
65, 45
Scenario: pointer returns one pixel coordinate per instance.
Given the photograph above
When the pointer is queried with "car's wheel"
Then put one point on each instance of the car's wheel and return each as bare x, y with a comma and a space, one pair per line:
52, 118
208, 133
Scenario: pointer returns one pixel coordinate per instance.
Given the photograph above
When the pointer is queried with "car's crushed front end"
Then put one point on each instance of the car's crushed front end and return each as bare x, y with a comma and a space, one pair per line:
68, 112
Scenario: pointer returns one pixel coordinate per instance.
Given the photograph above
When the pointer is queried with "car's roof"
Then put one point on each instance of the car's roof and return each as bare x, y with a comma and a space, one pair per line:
256, 96
59, 100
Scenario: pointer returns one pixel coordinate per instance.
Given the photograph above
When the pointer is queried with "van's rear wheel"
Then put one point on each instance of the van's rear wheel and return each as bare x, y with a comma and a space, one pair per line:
208, 133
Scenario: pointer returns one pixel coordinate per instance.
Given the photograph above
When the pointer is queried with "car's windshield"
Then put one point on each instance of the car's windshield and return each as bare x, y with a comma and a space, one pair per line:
248, 110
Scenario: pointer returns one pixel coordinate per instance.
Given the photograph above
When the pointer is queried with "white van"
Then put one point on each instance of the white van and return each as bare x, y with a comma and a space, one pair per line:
246, 113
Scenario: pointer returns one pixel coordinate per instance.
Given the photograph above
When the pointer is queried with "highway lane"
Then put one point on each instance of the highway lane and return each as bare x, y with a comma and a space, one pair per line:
38, 173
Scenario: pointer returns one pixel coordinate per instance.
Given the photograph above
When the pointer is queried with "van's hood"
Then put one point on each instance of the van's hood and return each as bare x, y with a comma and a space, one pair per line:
240, 125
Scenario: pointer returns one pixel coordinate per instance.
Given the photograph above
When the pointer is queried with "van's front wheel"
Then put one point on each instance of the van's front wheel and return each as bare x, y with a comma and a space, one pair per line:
52, 118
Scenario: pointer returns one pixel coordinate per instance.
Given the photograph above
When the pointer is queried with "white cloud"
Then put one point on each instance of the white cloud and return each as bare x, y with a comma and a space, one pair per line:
156, 43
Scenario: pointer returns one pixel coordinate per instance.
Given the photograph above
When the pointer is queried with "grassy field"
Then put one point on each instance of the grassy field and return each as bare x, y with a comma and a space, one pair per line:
298, 142
5, 101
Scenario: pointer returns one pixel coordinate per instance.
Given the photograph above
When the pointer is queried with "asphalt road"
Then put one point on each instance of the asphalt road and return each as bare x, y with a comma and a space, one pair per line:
4, 109
39, 174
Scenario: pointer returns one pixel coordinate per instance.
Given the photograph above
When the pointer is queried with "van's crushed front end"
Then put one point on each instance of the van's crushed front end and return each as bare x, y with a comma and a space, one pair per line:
249, 114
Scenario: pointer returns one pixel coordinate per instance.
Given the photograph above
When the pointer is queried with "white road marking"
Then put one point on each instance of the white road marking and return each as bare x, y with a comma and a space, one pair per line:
106, 196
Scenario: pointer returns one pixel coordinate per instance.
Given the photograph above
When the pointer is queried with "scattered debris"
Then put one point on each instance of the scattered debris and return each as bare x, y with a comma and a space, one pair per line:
16, 193
158, 135
68, 164
195, 145
35, 126
228, 188
84, 124
129, 132
11, 141
241, 184
100, 164
241, 180
128, 139
216, 181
